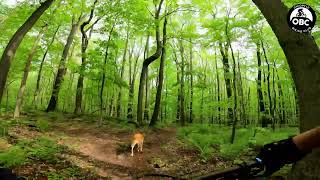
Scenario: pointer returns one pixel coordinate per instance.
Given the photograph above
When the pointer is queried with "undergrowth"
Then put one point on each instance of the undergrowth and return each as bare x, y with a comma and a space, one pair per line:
24, 151
212, 140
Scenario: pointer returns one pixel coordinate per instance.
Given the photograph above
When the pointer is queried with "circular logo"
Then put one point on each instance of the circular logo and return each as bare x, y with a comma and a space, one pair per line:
301, 18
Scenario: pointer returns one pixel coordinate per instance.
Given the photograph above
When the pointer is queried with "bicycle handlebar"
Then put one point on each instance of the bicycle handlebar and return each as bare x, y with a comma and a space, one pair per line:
243, 171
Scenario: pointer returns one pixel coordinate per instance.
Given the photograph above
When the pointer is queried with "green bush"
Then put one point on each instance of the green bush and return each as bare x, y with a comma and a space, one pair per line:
42, 125
15, 156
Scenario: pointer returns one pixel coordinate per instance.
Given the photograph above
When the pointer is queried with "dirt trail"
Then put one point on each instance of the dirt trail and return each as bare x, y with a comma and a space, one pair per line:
106, 150
102, 146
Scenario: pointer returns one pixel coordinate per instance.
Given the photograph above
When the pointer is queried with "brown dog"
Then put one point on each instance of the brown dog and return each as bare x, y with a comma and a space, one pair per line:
138, 139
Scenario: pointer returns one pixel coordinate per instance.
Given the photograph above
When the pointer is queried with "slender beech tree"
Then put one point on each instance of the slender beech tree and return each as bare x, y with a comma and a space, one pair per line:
191, 83
156, 109
103, 79
181, 82
84, 46
124, 59
261, 107
62, 69
26, 71
39, 76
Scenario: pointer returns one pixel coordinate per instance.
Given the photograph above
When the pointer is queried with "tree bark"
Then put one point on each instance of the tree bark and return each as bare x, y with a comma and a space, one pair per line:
303, 57
26, 73
104, 73
218, 90
156, 109
191, 85
62, 69
131, 88
10, 50
37, 91
271, 110
84, 46
226, 67
121, 75
261, 108
181, 104
148, 61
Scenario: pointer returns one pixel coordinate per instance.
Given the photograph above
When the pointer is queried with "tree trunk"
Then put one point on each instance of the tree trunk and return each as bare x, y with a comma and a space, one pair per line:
218, 90
182, 115
191, 85
10, 50
235, 117
259, 88
37, 91
61, 70
104, 73
84, 46
226, 67
156, 109
131, 88
303, 57
26, 73
121, 75
243, 116
178, 93
271, 110
148, 61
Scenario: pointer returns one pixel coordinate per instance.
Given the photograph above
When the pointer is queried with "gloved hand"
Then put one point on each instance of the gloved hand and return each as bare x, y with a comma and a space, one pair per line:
275, 155
7, 174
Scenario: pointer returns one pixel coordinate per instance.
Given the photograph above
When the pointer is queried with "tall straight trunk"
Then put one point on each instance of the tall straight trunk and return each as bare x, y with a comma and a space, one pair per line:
147, 62
191, 84
225, 60
271, 110
281, 102
131, 88
261, 106
156, 109
10, 50
218, 90
303, 57
235, 117
62, 69
182, 115
243, 116
26, 73
146, 101
274, 97
103, 79
178, 93
37, 91
121, 75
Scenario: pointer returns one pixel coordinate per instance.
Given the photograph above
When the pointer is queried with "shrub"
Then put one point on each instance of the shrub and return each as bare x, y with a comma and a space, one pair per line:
42, 125
45, 149
204, 137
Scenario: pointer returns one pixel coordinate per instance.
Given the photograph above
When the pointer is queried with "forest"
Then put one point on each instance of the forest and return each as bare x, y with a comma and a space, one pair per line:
208, 82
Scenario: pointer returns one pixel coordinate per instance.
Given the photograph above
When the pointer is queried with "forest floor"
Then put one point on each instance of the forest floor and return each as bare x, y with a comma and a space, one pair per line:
102, 150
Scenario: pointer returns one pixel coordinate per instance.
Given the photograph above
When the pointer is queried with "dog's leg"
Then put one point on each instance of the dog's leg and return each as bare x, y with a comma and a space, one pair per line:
141, 146
132, 146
